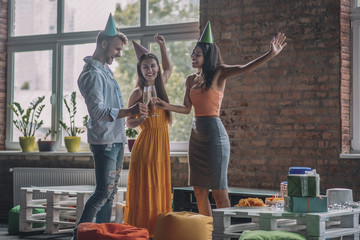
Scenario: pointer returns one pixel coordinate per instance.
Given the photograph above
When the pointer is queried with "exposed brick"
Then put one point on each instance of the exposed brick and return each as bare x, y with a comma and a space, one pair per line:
299, 95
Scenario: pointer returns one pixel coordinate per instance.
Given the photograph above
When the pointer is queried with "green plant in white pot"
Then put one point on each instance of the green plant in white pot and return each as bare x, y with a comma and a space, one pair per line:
28, 122
72, 142
131, 134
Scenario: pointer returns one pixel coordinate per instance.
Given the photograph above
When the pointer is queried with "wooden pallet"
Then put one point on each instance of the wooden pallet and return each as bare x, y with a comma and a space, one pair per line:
314, 226
27, 218
63, 205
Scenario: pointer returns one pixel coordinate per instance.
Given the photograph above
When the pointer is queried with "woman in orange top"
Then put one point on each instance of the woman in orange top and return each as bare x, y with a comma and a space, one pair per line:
149, 182
209, 147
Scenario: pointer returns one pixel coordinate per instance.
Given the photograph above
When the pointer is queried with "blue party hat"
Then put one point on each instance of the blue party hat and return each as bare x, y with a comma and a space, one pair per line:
110, 29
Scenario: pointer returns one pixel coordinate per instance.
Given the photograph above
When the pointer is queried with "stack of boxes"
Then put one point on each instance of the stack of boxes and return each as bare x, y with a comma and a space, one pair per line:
303, 191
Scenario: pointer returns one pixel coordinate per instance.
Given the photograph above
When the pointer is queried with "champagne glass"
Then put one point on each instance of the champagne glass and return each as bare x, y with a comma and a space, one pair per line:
148, 96
153, 98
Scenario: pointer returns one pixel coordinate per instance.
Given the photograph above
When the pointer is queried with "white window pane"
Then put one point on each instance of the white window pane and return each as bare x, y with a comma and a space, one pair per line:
32, 79
124, 69
173, 11
33, 17
179, 53
73, 65
84, 15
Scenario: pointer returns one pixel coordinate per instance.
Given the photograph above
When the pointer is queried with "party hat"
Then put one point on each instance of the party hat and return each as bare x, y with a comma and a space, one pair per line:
206, 36
110, 29
139, 50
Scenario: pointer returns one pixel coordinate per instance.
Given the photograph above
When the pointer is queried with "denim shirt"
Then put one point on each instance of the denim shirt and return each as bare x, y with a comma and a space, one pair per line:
103, 100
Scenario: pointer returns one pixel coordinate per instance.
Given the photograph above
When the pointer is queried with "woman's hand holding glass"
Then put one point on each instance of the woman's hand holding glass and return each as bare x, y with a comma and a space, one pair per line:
160, 103
149, 96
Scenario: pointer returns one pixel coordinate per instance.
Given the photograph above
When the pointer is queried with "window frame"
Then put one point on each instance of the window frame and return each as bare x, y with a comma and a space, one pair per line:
56, 42
355, 28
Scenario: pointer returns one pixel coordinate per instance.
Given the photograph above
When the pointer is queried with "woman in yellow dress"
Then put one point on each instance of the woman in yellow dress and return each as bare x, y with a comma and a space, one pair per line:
149, 183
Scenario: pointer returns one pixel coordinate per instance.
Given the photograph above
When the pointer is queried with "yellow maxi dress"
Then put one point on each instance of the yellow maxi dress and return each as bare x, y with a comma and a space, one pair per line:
149, 182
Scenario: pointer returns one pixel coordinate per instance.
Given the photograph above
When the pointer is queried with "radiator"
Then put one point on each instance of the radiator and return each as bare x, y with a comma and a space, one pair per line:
40, 177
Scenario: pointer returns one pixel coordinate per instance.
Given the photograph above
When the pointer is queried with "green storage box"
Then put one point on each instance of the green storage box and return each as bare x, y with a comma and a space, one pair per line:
303, 185
13, 219
306, 204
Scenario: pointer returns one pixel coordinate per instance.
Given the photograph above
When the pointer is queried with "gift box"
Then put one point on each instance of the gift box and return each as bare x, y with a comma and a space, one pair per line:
306, 204
303, 185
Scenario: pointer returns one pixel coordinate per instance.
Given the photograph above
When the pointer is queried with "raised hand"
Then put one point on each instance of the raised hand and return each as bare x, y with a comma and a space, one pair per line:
159, 39
277, 44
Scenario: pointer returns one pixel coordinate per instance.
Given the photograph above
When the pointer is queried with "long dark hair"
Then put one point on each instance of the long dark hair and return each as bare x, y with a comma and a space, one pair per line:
159, 84
212, 60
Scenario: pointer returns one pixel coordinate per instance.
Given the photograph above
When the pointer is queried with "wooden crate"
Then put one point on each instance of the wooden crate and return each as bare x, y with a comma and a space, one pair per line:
63, 210
63, 205
27, 204
332, 224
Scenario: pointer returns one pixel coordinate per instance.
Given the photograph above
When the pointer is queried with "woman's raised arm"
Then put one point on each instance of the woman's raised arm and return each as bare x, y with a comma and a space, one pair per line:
276, 46
165, 61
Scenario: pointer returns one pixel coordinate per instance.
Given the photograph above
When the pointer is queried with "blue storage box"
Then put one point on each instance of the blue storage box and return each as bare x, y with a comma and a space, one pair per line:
298, 170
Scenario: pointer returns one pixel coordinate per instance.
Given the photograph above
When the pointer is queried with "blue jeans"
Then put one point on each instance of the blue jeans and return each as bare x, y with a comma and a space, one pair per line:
108, 164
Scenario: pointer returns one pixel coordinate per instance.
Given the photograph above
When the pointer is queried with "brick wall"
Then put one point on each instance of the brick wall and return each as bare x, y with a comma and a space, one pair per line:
3, 39
293, 111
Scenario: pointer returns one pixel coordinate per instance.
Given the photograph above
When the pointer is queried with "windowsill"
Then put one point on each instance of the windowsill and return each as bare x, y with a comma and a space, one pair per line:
352, 155
13, 152
84, 153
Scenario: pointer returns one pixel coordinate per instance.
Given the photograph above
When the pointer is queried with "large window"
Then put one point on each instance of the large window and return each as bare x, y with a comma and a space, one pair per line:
48, 40
355, 22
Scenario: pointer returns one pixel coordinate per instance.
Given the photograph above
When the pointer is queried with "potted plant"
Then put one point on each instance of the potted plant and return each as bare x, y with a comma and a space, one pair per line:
28, 122
72, 142
131, 134
47, 145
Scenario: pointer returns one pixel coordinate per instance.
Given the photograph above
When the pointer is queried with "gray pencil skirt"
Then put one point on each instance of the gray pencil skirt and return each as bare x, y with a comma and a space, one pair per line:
209, 151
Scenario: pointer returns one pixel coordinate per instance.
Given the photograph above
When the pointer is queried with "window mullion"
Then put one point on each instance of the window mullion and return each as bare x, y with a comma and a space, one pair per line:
57, 92
60, 18
144, 17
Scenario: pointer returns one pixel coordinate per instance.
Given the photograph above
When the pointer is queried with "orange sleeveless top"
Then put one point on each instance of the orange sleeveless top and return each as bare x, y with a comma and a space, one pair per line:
206, 102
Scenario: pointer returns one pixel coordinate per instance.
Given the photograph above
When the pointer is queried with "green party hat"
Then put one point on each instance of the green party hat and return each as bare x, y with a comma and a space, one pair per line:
110, 29
206, 36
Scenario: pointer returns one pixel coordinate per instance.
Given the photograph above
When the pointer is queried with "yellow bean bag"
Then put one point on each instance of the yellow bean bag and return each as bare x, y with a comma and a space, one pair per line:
183, 225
